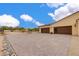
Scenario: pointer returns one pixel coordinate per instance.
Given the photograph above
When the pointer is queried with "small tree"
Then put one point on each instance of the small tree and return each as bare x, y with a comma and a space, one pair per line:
22, 29
33, 29
1, 30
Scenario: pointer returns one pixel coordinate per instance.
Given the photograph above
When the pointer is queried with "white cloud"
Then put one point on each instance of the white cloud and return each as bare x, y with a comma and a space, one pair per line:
56, 5
26, 18
42, 5
8, 20
64, 11
37, 23
52, 15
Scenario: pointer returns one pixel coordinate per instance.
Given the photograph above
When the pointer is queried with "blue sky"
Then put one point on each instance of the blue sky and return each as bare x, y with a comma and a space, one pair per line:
39, 12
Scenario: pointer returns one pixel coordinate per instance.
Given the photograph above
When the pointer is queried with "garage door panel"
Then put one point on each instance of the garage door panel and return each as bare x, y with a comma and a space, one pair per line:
63, 30
45, 30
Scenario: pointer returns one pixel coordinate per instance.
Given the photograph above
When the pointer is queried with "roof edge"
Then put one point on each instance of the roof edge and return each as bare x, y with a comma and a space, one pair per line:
60, 19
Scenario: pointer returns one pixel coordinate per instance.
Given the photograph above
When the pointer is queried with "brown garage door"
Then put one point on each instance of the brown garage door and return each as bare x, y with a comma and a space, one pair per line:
63, 30
45, 30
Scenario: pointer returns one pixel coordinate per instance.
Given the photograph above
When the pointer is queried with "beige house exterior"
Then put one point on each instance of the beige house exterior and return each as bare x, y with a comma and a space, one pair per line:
67, 25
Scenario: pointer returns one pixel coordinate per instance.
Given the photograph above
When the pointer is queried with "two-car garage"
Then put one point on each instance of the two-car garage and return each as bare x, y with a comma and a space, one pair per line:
63, 30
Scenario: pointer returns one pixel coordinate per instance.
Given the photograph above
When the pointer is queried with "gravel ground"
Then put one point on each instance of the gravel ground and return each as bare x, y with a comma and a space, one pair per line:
7, 48
37, 44
1, 44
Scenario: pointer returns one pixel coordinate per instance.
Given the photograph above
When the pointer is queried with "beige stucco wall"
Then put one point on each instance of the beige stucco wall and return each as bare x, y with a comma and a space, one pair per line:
51, 29
40, 30
74, 30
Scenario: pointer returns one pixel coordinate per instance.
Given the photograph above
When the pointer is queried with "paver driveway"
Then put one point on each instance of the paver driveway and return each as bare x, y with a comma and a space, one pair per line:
37, 44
